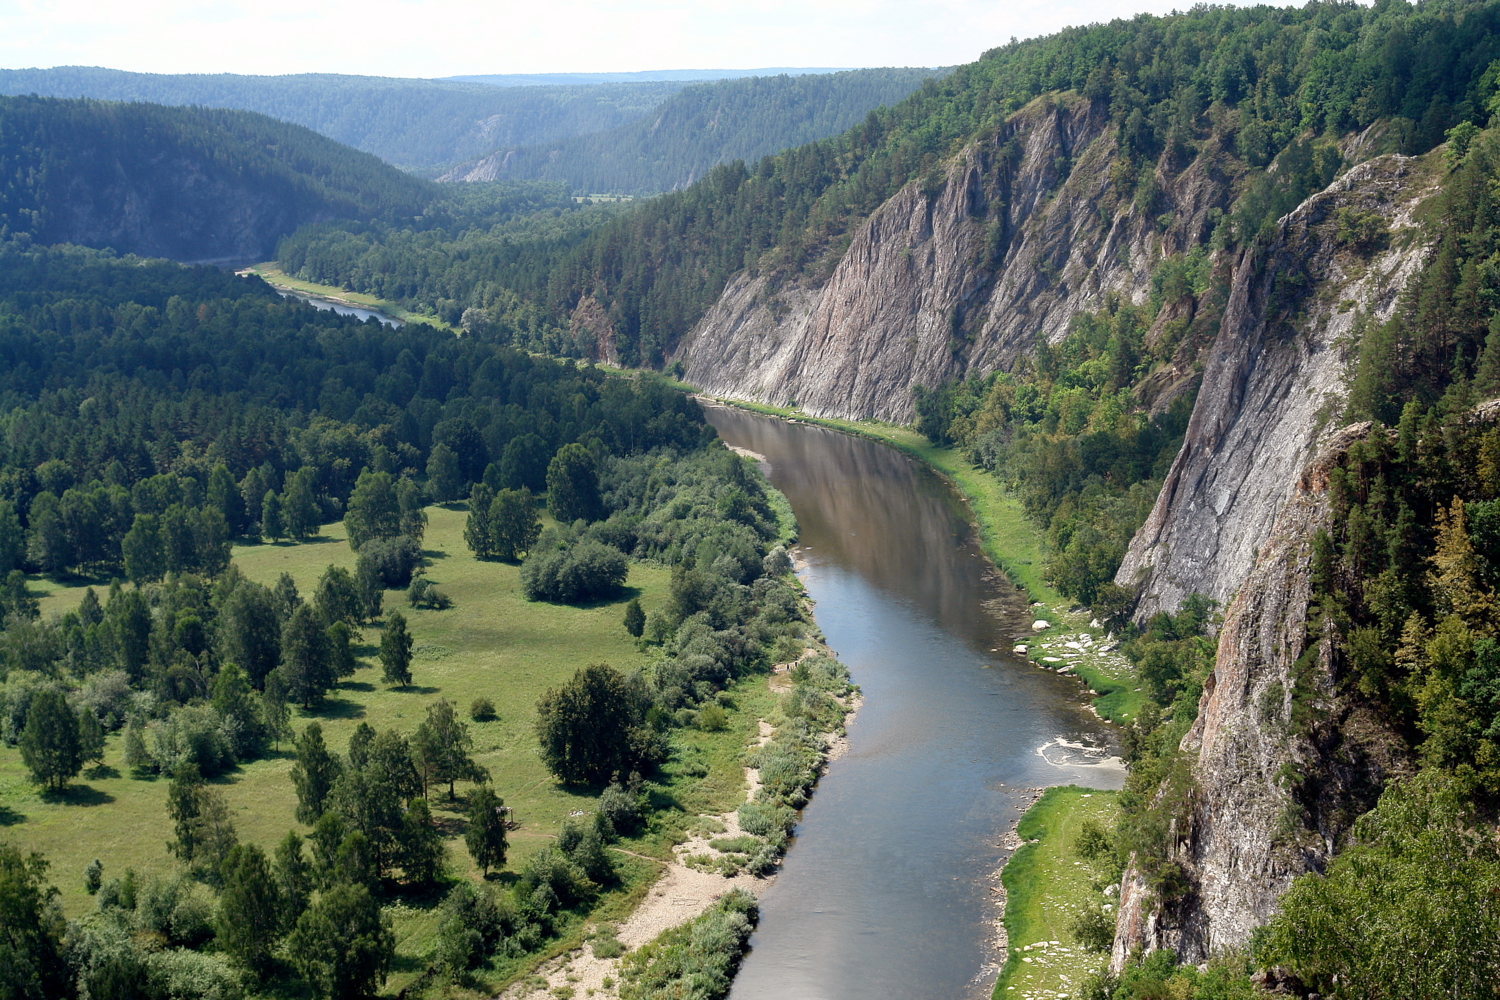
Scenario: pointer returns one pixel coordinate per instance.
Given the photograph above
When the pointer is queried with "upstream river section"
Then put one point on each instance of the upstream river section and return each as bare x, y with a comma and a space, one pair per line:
884, 892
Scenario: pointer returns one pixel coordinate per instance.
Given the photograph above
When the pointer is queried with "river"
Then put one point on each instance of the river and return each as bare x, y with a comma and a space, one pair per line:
884, 891
359, 312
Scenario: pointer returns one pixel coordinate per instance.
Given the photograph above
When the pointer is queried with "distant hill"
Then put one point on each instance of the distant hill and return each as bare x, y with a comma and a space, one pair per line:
416, 124
700, 127
641, 76
187, 183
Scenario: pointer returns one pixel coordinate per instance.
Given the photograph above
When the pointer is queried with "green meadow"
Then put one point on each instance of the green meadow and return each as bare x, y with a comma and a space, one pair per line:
492, 642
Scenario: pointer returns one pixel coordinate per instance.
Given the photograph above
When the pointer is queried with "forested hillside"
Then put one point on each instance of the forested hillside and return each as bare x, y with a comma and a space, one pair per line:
701, 127
413, 124
1249, 81
188, 183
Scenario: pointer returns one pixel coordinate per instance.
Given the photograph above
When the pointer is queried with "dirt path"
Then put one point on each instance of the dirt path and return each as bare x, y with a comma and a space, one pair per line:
679, 895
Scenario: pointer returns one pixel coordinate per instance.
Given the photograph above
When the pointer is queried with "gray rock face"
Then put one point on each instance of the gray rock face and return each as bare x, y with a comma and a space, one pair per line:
1248, 829
934, 286
1274, 384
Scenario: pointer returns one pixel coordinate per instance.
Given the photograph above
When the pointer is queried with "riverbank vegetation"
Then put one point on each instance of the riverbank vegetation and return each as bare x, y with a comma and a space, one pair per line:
1061, 886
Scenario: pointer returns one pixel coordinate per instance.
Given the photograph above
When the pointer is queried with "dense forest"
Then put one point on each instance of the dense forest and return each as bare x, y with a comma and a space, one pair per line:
181, 182
414, 124
701, 127
1167, 84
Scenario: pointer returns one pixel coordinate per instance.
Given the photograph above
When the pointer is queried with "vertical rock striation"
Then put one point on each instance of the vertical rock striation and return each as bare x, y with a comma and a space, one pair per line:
938, 284
1274, 383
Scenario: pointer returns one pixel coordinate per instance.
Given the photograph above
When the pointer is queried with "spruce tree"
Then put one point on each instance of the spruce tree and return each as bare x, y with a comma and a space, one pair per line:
635, 618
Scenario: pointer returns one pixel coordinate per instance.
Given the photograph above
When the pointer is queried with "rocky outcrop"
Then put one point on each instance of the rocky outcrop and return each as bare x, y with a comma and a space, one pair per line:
1027, 228
1270, 801
183, 207
1274, 383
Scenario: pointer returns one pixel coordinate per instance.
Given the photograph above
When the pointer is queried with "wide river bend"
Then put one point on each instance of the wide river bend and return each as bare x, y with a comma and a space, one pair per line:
884, 890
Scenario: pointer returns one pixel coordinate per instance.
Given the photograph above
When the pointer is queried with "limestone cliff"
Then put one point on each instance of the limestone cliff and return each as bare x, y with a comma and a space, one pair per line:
1274, 382
1270, 800
1235, 520
1027, 228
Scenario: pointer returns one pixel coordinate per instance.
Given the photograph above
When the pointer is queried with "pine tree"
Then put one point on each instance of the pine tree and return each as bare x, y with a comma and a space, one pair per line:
395, 650
342, 945
50, 746
477, 533
484, 832
421, 845
90, 737
249, 917
299, 506
314, 774
305, 659
272, 522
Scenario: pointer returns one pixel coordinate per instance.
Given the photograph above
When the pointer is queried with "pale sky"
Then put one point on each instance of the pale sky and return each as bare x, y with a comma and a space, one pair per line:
432, 38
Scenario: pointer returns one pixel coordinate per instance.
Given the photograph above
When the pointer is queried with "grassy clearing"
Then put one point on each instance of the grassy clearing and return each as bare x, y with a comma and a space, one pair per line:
492, 642
1047, 883
275, 276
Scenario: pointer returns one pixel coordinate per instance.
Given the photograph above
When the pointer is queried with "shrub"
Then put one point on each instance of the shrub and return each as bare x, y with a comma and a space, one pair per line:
391, 560
1092, 929
587, 571
424, 594
697, 959
712, 718
481, 710
1093, 842
620, 809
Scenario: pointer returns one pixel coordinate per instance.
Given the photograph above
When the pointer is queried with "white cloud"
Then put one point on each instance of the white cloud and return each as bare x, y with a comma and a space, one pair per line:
448, 37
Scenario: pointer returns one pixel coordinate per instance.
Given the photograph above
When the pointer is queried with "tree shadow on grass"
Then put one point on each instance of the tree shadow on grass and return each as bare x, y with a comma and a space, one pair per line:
336, 708
364, 686
619, 596
79, 795
9, 817
100, 772
422, 689
432, 554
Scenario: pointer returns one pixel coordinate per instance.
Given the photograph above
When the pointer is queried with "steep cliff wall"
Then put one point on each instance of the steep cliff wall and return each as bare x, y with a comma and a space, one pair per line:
1272, 798
177, 207
1274, 383
1027, 228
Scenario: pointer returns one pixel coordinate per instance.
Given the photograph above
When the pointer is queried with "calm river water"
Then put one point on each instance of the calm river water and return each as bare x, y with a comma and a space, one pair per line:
883, 893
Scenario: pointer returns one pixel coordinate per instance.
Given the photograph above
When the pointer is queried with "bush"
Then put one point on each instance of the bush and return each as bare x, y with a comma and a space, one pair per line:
587, 571
712, 718
424, 594
1092, 929
392, 560
1093, 842
620, 809
697, 959
481, 710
